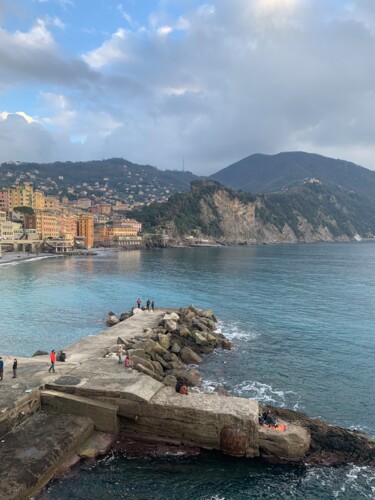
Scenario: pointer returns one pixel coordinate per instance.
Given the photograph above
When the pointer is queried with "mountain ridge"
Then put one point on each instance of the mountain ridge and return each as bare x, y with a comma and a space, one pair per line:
260, 173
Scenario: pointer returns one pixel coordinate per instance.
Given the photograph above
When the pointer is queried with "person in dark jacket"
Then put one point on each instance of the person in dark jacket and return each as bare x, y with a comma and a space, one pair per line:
152, 306
148, 303
1, 368
15, 366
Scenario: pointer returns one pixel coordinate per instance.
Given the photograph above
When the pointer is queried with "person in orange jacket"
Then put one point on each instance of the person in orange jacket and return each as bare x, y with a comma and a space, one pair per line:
53, 361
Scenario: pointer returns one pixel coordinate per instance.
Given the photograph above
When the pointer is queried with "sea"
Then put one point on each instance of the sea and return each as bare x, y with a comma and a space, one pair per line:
302, 320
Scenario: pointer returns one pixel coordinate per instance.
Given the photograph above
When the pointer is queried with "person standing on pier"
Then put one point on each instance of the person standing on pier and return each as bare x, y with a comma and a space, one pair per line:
152, 306
139, 303
53, 361
15, 365
1, 368
148, 303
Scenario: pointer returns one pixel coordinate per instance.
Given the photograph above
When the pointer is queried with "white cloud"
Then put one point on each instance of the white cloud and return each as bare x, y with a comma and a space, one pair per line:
221, 81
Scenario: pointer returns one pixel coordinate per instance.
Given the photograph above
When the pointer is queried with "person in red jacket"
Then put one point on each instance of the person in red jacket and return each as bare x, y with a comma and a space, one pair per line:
53, 361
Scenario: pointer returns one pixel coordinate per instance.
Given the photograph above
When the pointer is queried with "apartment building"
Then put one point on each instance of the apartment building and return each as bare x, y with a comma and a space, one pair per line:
10, 230
85, 229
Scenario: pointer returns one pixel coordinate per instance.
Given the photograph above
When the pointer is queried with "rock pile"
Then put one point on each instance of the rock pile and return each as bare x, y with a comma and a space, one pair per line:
179, 340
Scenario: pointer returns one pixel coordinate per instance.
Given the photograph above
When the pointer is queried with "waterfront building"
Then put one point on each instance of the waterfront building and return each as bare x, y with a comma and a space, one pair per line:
10, 230
43, 222
117, 236
3, 216
85, 229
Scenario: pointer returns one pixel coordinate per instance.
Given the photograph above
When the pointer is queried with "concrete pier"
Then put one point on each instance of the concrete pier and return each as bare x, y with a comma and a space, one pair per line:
91, 391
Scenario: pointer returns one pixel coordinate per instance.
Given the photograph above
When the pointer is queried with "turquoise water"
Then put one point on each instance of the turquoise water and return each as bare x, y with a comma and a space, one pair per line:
302, 318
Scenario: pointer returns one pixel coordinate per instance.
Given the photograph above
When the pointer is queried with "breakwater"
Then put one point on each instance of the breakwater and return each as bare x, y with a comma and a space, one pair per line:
46, 418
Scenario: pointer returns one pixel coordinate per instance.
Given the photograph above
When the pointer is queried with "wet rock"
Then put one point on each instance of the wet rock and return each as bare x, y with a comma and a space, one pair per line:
176, 365
209, 315
124, 316
226, 344
39, 353
112, 319
190, 357
221, 391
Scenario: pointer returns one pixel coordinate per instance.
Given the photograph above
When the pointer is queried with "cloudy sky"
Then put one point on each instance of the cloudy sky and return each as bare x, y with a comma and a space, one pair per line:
155, 81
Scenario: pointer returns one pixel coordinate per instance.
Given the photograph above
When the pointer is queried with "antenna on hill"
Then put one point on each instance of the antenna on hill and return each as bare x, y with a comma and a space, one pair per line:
183, 163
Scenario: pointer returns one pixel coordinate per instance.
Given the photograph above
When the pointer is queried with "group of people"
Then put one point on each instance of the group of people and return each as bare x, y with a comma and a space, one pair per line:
15, 366
150, 304
268, 418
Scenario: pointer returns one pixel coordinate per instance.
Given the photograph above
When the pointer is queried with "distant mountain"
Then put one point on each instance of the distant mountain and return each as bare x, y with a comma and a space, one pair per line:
307, 213
261, 173
113, 179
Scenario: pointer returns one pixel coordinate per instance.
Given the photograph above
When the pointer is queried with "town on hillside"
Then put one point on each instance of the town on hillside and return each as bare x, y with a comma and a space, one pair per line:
33, 221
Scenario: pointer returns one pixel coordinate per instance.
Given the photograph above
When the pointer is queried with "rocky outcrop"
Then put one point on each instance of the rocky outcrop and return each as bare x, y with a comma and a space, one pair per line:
180, 339
112, 319
331, 444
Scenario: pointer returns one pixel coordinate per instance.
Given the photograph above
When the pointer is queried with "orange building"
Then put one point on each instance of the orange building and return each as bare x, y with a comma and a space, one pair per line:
45, 223
67, 226
85, 229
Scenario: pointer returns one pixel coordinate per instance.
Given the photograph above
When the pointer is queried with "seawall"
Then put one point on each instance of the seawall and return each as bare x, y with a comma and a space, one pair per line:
46, 418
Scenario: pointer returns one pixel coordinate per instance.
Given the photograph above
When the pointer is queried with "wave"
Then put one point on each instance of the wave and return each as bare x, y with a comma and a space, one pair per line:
27, 259
235, 331
264, 393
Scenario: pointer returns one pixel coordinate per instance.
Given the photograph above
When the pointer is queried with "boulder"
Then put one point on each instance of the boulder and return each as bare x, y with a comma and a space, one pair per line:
170, 381
163, 363
171, 325
148, 372
199, 338
184, 331
157, 367
139, 353
112, 319
292, 444
209, 315
190, 357
212, 339
226, 344
164, 340
176, 365
198, 325
221, 391
39, 353
171, 316
136, 310
146, 364
125, 316
191, 378
175, 348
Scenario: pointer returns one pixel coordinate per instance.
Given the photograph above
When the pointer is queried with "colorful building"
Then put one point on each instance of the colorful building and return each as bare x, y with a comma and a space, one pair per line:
85, 229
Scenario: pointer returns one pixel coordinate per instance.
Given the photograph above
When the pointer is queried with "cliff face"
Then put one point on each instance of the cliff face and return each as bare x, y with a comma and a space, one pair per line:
313, 212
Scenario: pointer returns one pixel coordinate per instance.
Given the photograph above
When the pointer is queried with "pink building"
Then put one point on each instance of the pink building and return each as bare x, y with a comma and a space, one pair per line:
4, 200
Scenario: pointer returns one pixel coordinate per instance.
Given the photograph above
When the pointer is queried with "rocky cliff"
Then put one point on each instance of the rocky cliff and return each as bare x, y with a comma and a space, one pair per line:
211, 213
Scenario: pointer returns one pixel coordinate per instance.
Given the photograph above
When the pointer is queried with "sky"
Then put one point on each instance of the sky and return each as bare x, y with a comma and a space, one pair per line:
186, 82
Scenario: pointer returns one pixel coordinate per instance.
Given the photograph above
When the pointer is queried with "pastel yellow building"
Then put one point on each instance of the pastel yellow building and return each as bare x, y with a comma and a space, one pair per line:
38, 200
21, 196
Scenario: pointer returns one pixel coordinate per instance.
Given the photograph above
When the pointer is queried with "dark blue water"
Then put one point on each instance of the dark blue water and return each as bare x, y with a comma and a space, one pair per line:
302, 318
